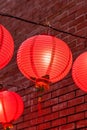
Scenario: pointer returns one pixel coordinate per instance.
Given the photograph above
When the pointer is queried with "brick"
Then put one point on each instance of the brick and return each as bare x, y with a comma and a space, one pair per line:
26, 111
69, 17
36, 121
80, 47
81, 25
34, 108
59, 106
45, 125
46, 96
85, 98
65, 82
61, 84
77, 21
75, 101
80, 11
39, 120
86, 114
70, 126
51, 116
46, 111
20, 120
82, 107
60, 92
54, 128
80, 93
72, 30
76, 117
33, 115
82, 33
81, 124
67, 112
50, 102
67, 97
75, 9
23, 125
59, 122
31, 128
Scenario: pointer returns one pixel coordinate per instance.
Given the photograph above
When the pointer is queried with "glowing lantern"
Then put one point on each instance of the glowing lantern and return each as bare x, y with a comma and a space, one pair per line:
79, 71
6, 47
11, 108
44, 59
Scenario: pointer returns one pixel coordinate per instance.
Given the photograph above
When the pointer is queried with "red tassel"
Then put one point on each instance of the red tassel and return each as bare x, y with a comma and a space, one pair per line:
39, 106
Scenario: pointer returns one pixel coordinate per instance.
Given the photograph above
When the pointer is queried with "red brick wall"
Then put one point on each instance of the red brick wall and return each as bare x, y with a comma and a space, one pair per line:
64, 105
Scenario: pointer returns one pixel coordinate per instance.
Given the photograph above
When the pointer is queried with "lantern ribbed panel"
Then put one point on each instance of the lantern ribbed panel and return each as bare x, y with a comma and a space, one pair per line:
11, 106
44, 55
79, 71
6, 47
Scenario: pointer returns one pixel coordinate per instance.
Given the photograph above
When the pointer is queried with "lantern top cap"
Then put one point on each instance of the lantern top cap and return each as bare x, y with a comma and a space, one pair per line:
51, 37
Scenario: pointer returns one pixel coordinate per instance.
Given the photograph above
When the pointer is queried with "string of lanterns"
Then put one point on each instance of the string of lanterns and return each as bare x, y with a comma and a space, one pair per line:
44, 59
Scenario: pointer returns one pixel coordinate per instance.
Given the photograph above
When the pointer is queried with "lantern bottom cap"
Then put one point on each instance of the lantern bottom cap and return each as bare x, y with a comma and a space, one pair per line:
7, 126
42, 84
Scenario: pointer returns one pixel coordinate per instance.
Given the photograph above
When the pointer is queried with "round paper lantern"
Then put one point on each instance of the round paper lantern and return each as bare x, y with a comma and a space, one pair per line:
6, 47
79, 71
11, 107
44, 59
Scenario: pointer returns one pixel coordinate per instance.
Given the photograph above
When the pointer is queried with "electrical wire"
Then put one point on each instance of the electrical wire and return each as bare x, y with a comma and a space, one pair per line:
40, 24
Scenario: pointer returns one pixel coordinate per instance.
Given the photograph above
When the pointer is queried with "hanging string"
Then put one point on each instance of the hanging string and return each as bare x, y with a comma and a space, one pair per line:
48, 26
40, 24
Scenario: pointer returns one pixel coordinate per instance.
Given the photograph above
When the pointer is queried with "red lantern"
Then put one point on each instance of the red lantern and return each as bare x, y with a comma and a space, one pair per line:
44, 59
79, 71
11, 107
6, 47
